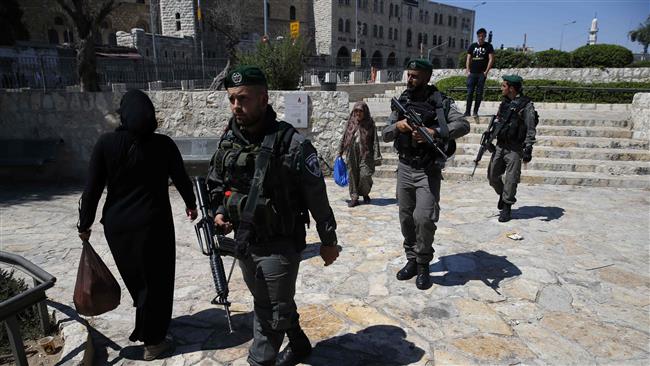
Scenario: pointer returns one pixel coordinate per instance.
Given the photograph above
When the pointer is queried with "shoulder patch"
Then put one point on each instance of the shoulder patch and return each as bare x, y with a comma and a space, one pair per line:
312, 165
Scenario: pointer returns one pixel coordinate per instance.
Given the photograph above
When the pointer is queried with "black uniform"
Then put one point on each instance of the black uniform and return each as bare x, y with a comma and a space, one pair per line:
293, 185
419, 172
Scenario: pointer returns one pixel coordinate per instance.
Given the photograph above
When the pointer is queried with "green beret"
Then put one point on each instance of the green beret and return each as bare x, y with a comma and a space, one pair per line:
419, 64
245, 75
513, 79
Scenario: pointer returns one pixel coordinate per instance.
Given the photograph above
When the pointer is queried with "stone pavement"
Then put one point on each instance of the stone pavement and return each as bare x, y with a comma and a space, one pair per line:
573, 291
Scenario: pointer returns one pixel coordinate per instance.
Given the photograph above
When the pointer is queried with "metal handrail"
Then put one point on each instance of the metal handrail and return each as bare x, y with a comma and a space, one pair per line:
12, 306
563, 88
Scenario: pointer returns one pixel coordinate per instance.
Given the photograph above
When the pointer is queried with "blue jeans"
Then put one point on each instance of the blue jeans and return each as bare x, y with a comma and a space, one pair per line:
475, 81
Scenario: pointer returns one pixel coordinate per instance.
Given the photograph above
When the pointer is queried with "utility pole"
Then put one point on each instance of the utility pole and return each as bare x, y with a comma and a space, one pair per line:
153, 38
266, 17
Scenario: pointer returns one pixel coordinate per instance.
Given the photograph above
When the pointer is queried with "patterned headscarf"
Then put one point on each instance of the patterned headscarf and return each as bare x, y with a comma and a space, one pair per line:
366, 128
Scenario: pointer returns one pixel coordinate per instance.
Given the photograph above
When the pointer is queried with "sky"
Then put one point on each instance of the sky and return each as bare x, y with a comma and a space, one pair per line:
543, 21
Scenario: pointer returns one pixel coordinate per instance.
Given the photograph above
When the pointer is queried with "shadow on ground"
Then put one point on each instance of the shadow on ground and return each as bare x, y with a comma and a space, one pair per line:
205, 330
313, 250
375, 345
530, 212
473, 266
11, 194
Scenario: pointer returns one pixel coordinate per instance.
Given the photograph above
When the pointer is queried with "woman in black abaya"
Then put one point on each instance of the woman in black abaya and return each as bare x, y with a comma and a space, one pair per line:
134, 163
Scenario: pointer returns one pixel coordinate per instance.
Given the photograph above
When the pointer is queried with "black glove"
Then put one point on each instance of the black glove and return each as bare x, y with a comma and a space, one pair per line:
244, 236
491, 148
528, 154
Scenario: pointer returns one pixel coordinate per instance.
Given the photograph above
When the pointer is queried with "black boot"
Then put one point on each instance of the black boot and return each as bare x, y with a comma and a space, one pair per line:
500, 203
409, 271
296, 351
423, 281
505, 216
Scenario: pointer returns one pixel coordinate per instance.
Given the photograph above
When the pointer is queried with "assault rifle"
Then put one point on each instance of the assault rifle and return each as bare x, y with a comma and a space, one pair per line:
486, 140
416, 123
214, 246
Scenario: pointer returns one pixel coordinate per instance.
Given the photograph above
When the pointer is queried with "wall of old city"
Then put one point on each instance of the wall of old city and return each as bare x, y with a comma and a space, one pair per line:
80, 118
583, 75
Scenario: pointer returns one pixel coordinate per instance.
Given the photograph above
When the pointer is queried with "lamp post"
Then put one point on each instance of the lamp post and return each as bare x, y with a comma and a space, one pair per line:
474, 7
433, 48
266, 17
562, 32
153, 39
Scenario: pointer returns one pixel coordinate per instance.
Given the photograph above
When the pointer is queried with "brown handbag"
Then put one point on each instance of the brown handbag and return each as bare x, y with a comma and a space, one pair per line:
96, 290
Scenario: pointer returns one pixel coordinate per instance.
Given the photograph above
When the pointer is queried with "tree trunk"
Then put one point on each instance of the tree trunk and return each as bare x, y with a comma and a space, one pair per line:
87, 64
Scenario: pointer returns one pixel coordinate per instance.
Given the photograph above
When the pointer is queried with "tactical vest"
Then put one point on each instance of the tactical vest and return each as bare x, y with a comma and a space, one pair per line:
422, 154
515, 129
278, 208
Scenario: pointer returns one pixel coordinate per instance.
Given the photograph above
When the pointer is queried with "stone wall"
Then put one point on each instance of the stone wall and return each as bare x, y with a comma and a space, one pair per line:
80, 118
585, 75
170, 49
641, 116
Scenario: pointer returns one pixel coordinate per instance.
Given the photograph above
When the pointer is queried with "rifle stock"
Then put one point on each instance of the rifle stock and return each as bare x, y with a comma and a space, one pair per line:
209, 243
486, 140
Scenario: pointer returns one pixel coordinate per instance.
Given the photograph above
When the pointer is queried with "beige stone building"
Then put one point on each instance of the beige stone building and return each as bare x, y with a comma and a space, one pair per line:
389, 32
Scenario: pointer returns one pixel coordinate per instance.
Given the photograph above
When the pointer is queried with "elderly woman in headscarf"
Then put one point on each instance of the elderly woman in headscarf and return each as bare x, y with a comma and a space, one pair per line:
134, 163
360, 144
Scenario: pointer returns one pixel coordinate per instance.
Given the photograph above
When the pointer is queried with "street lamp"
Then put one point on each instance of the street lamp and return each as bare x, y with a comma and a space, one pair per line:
562, 32
474, 7
433, 48
479, 4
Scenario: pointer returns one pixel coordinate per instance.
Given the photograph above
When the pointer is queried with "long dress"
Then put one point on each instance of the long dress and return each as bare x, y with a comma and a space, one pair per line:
137, 219
360, 170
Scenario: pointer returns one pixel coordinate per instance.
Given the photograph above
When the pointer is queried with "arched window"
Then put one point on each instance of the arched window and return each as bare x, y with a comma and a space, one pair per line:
292, 13
58, 21
178, 21
340, 25
347, 26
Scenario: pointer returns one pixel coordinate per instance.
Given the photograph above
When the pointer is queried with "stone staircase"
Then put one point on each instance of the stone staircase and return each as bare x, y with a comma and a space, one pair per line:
577, 144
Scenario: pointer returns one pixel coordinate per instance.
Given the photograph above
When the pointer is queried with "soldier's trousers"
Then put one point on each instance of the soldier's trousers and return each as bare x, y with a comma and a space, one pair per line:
505, 162
418, 195
271, 280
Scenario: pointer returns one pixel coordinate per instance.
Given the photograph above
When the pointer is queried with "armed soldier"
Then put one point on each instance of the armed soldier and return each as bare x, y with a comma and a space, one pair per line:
419, 168
263, 180
515, 134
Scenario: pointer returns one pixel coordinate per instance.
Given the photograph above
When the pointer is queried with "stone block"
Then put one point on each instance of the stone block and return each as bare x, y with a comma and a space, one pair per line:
36, 102
118, 87
48, 102
187, 84
155, 85
60, 101
356, 77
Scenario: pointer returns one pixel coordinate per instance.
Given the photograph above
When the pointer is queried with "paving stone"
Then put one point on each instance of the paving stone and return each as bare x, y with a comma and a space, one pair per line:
555, 298
495, 349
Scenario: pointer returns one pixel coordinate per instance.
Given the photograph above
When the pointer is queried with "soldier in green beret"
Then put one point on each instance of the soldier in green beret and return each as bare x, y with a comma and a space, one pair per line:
516, 129
419, 169
269, 219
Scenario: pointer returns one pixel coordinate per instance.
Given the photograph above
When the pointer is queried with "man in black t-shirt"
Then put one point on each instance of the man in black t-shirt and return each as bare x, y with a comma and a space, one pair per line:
480, 58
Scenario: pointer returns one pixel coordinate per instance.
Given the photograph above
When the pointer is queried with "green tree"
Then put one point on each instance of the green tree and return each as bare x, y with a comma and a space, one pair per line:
226, 18
602, 55
12, 28
642, 35
552, 58
282, 62
87, 15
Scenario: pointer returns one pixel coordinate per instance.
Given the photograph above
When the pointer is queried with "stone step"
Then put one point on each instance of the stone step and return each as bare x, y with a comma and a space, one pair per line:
380, 121
550, 164
564, 142
568, 131
556, 152
540, 177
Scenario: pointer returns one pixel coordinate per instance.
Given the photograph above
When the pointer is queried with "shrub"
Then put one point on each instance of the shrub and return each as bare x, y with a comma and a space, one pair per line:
539, 95
505, 59
281, 61
602, 55
644, 63
462, 58
552, 58
28, 320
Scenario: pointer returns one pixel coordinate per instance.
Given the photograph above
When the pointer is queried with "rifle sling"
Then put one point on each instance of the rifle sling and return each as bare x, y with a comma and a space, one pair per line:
261, 165
511, 110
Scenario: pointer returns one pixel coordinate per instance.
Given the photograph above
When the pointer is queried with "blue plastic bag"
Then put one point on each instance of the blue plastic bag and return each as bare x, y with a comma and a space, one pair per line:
340, 172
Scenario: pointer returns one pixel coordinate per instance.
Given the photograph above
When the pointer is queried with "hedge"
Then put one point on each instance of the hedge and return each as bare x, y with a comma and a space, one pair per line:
570, 96
552, 58
602, 55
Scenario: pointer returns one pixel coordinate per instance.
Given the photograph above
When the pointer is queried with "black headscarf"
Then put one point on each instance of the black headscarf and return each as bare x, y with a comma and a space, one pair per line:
137, 114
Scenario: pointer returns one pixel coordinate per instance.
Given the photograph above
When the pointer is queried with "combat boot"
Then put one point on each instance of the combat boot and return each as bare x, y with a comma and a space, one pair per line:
423, 281
298, 349
500, 203
408, 272
505, 214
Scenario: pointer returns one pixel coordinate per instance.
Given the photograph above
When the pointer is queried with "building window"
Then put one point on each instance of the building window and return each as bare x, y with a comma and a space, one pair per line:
292, 13
178, 22
449, 42
390, 33
426, 39
439, 40
435, 18
426, 17
381, 31
409, 42
58, 21
449, 20
374, 31
419, 39
421, 16
390, 11
434, 40
347, 26
365, 29
347, 2
340, 25
381, 6
395, 37
375, 6
455, 22
53, 36
410, 14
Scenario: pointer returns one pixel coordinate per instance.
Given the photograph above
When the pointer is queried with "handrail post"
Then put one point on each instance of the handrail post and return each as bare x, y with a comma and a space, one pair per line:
42, 314
16, 341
